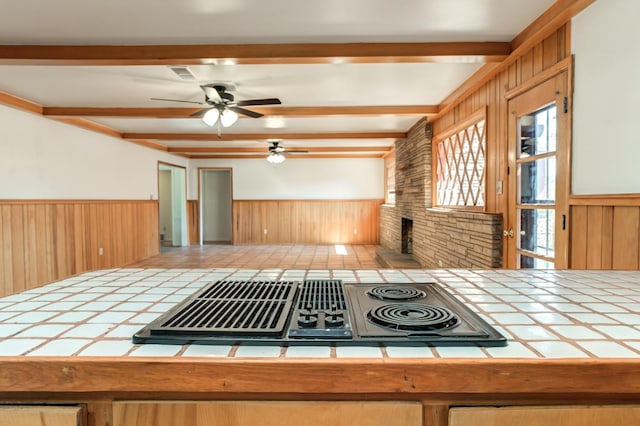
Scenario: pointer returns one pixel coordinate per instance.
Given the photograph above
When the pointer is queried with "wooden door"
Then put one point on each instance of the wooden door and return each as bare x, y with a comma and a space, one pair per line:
545, 416
536, 230
27, 415
249, 413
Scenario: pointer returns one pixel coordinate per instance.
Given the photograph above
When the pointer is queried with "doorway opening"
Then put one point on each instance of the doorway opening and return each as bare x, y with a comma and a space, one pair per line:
216, 205
172, 205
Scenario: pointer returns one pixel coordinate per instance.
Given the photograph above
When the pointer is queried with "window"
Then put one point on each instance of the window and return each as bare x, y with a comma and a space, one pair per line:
390, 179
460, 164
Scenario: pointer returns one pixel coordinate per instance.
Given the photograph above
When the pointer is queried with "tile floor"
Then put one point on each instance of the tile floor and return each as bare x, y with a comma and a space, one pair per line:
264, 257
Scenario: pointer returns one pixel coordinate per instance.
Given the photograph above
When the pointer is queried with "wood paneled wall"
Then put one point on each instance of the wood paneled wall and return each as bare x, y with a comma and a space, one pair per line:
306, 221
43, 241
492, 94
605, 232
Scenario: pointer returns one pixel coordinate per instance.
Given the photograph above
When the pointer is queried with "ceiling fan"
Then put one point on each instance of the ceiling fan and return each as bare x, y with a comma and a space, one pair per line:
277, 153
223, 109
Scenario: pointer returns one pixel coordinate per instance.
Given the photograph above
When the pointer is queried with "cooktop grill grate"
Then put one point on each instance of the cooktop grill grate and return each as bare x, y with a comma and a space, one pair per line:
231, 307
322, 295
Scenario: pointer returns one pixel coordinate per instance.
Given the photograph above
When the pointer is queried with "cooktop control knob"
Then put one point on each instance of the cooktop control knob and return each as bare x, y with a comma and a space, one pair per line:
308, 318
333, 318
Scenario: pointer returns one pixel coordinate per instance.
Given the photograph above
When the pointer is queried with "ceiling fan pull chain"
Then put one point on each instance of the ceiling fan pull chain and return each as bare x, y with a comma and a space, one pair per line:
219, 129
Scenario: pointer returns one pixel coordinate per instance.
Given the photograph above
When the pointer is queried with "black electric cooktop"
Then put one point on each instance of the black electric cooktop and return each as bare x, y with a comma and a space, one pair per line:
320, 311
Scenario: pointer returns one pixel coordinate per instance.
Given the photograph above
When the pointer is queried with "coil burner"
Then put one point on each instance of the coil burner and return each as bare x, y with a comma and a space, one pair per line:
396, 293
412, 317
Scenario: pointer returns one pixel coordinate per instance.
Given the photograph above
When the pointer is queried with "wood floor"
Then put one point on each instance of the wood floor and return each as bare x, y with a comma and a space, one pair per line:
264, 257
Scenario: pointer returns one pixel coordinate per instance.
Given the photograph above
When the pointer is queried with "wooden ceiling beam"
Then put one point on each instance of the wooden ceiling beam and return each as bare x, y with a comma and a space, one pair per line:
244, 157
262, 136
301, 111
264, 150
224, 54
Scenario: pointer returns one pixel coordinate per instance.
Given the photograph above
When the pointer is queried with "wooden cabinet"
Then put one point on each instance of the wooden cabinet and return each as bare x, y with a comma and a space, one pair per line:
41, 415
245, 413
545, 416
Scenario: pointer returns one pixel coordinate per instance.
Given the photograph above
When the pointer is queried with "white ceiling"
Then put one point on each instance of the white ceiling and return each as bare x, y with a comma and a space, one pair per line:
336, 83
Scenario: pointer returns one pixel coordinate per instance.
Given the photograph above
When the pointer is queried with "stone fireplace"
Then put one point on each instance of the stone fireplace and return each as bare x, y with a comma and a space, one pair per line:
433, 237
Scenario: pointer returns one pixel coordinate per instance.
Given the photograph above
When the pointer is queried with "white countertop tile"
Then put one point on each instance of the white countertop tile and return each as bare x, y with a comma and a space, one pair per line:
607, 349
558, 350
112, 317
621, 332
513, 350
358, 352
88, 330
207, 350
15, 347
61, 347
45, 331
308, 352
401, 351
576, 332
509, 318
592, 318
7, 330
258, 351
531, 332
156, 350
460, 352
550, 318
107, 348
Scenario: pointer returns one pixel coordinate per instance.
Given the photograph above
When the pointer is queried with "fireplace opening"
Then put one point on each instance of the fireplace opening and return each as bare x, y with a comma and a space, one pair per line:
407, 236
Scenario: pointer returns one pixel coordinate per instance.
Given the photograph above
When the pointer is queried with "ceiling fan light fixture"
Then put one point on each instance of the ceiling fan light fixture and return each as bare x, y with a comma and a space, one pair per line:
275, 158
211, 116
228, 117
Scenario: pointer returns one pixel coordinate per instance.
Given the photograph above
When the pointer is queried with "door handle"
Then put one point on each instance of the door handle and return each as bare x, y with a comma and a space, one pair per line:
508, 233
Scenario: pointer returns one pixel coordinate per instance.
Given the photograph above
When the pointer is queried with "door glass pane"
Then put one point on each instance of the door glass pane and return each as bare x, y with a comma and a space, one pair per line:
537, 132
537, 181
532, 262
537, 231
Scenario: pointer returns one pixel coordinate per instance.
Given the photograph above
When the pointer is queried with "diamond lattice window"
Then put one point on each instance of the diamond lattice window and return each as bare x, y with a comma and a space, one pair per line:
460, 165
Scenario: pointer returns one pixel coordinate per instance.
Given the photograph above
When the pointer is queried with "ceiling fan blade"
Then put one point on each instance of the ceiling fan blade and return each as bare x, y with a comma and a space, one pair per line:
246, 112
199, 112
211, 93
176, 100
268, 101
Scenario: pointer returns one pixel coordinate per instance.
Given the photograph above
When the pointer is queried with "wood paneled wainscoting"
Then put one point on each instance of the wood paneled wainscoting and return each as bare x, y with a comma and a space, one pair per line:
605, 231
306, 221
46, 240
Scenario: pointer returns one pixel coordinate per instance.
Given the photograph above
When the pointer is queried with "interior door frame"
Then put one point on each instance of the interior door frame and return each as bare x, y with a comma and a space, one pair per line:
561, 77
184, 219
200, 218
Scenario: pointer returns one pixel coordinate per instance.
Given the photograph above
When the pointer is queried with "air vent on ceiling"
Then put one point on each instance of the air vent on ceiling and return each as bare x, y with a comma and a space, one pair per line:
183, 72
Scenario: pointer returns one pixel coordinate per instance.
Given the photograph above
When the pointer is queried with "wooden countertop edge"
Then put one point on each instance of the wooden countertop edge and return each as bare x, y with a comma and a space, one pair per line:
326, 376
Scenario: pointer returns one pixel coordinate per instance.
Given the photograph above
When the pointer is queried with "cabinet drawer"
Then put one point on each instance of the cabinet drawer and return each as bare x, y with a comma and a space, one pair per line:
285, 413
545, 416
40, 415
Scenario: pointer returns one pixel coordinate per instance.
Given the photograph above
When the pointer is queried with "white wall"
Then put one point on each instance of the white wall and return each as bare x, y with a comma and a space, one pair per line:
45, 159
322, 179
606, 136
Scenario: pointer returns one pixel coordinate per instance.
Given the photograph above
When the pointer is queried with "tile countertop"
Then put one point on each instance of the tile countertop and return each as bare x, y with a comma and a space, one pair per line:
544, 314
